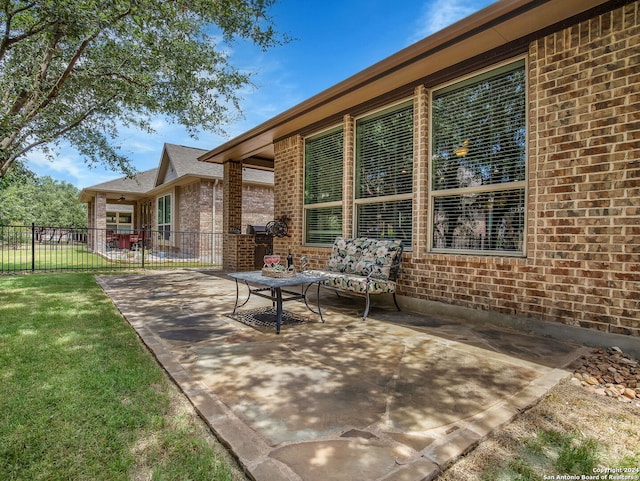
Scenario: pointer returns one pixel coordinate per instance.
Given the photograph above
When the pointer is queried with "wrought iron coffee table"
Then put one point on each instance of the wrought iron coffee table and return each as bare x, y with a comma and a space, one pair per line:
272, 288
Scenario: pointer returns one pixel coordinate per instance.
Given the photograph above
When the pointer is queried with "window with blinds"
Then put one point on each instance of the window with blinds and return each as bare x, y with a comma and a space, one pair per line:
323, 158
478, 163
384, 174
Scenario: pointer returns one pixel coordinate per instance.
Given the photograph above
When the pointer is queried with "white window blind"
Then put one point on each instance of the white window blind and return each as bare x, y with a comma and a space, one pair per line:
478, 163
323, 159
384, 174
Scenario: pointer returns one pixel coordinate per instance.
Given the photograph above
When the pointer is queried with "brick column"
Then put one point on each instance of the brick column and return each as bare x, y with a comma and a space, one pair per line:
232, 195
100, 224
421, 175
348, 169
232, 215
288, 181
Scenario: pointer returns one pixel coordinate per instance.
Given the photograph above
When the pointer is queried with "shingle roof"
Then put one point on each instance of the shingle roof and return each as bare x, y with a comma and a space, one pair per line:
185, 162
141, 183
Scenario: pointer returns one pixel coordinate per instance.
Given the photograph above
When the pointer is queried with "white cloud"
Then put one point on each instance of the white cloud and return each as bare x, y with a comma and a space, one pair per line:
439, 14
67, 166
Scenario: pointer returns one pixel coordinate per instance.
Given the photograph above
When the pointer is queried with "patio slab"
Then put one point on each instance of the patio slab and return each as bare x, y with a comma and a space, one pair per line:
397, 397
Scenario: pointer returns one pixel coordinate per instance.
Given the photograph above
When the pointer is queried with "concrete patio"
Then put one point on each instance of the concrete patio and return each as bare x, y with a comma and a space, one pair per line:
397, 397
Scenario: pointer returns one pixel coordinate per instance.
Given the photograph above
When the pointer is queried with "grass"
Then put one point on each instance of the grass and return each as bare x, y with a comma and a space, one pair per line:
570, 434
83, 399
51, 257
76, 257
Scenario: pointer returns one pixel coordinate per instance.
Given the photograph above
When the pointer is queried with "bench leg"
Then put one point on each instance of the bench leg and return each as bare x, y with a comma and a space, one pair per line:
366, 309
395, 301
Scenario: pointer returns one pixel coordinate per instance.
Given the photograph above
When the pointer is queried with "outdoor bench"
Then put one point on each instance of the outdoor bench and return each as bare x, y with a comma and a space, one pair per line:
362, 267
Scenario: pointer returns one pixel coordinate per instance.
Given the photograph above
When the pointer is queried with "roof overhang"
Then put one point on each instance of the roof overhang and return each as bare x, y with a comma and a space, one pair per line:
112, 196
495, 27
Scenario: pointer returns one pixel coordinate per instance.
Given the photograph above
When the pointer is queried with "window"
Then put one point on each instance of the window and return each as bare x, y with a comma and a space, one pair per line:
164, 217
384, 174
478, 164
119, 218
323, 156
146, 213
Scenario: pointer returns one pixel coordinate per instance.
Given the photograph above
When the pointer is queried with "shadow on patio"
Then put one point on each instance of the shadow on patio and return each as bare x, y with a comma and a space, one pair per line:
398, 396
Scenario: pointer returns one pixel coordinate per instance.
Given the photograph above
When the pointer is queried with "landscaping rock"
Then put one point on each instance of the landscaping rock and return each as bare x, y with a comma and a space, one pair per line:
609, 372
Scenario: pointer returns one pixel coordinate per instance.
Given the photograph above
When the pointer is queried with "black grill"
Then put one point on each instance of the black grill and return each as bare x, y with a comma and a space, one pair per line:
264, 243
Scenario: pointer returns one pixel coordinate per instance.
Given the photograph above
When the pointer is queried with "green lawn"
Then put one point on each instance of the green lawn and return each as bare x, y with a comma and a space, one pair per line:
51, 257
82, 398
76, 257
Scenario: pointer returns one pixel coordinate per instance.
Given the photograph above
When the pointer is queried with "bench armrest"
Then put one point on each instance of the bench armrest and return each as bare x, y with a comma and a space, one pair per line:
395, 267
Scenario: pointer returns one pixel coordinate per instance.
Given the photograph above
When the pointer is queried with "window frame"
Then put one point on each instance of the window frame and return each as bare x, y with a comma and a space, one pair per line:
306, 208
363, 201
162, 233
512, 186
116, 220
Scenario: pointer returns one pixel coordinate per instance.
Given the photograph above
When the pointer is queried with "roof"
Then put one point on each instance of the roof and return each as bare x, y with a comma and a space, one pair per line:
178, 164
185, 162
142, 182
499, 29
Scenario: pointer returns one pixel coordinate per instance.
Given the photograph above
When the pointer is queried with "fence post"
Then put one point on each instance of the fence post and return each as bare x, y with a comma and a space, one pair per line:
33, 247
143, 246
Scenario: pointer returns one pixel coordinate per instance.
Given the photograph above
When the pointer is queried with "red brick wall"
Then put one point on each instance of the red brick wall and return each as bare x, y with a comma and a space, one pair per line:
257, 205
188, 217
584, 177
582, 264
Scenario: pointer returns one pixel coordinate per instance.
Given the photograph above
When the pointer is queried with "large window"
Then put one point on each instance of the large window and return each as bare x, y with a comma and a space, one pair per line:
120, 218
323, 158
164, 217
384, 174
478, 164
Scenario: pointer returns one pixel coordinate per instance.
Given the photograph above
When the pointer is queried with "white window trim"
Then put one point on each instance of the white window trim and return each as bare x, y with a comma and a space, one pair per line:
431, 194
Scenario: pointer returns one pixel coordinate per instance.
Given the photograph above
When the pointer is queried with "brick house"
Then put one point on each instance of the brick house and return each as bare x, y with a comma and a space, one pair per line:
504, 150
163, 199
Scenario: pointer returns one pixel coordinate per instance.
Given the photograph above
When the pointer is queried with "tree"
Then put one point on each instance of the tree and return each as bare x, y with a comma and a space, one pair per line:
43, 201
77, 69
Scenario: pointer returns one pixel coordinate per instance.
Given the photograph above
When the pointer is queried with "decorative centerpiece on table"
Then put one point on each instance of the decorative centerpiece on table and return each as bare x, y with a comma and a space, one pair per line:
273, 268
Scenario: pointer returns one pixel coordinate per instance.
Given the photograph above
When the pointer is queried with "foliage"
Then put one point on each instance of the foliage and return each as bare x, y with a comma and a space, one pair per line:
77, 69
43, 201
18, 172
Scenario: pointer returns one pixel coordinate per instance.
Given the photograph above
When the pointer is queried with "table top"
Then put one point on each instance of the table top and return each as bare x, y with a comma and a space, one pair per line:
256, 277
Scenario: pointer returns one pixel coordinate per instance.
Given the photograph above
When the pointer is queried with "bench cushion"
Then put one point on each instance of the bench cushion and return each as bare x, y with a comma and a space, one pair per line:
355, 283
364, 256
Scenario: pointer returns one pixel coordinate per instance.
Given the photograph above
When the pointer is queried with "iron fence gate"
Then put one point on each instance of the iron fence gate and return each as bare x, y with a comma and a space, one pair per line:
45, 248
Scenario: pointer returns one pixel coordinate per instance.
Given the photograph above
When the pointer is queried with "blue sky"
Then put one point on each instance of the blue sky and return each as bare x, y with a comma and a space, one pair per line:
334, 39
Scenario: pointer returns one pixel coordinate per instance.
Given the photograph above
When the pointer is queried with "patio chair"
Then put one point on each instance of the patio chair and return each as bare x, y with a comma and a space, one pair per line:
112, 241
136, 241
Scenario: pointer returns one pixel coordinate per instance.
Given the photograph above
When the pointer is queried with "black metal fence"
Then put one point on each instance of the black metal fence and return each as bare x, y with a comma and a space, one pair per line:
44, 248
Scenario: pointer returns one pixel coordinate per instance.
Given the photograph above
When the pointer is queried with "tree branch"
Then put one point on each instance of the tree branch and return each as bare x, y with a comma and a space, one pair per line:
59, 133
7, 40
53, 93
